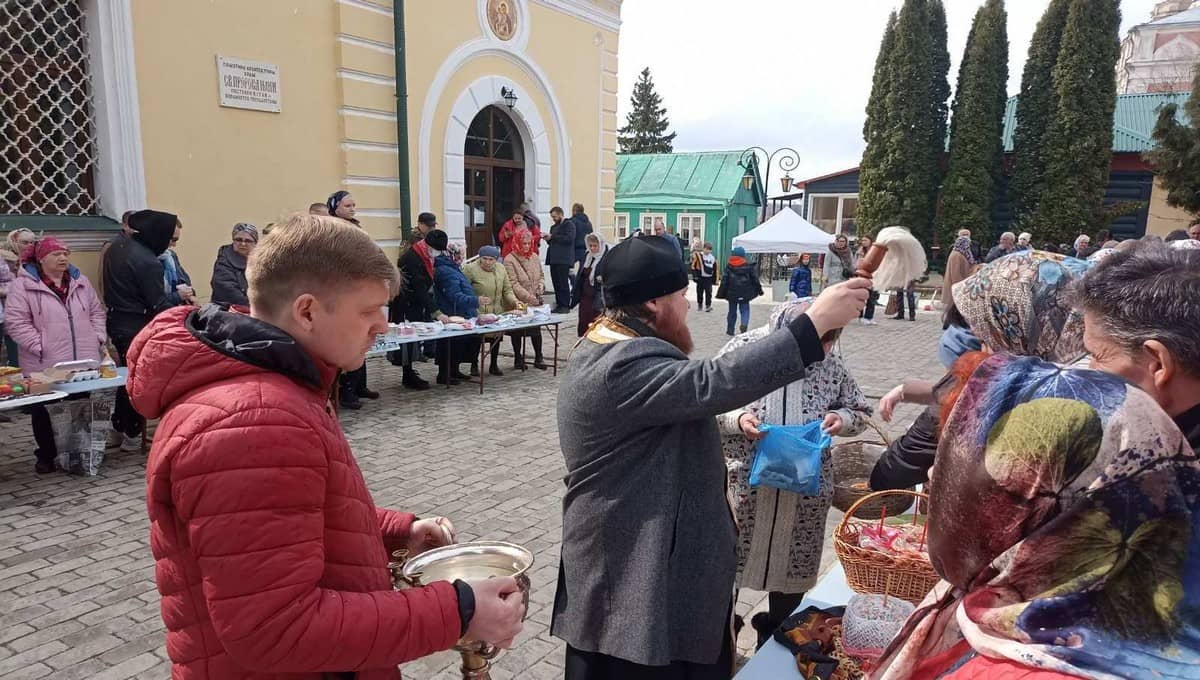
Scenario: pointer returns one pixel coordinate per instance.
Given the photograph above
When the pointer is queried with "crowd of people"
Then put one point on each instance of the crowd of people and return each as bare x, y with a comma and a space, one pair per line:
1059, 447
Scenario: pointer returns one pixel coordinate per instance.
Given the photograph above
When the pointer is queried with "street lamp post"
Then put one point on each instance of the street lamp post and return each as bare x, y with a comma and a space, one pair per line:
788, 160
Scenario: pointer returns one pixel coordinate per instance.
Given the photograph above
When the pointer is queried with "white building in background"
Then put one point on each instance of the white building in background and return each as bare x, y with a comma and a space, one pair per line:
1159, 56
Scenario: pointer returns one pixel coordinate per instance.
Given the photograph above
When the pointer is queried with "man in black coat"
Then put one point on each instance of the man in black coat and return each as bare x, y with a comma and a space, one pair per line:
583, 227
415, 301
560, 255
134, 293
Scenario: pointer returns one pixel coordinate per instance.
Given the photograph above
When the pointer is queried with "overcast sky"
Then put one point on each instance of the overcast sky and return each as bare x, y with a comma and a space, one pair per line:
792, 73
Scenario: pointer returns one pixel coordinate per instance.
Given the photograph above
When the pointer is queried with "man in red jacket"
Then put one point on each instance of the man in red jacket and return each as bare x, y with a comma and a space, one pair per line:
271, 557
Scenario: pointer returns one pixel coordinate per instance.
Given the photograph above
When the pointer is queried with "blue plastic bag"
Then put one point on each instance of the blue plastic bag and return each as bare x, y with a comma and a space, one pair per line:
789, 458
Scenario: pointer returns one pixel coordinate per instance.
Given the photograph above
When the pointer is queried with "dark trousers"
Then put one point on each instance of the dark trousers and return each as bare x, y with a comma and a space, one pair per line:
455, 351
868, 312
353, 382
10, 349
125, 419
911, 294
583, 665
43, 434
572, 275
736, 306
560, 277
780, 606
535, 339
704, 285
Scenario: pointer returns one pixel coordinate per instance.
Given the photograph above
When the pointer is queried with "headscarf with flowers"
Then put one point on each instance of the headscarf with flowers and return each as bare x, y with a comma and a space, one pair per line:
962, 245
1018, 304
1066, 527
456, 252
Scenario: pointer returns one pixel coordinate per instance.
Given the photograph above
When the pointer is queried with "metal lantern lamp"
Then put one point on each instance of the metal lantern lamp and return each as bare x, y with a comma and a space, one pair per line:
510, 97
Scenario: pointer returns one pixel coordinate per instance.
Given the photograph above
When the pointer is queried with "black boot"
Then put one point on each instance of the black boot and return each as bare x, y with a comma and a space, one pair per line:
444, 378
742, 327
364, 393
761, 623
347, 399
459, 375
44, 465
539, 363
413, 381
494, 369
474, 369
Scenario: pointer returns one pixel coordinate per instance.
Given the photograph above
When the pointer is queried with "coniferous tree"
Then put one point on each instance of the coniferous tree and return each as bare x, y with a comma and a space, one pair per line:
1079, 142
1176, 160
901, 181
941, 71
976, 144
646, 123
1035, 109
877, 202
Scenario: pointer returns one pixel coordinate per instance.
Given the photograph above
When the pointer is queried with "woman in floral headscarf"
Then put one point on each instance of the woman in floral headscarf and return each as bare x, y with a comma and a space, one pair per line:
1066, 527
1018, 304
781, 534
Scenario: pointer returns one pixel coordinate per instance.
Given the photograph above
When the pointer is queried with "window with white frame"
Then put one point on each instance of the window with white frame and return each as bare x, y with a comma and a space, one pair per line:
47, 125
648, 221
742, 224
835, 213
621, 221
691, 226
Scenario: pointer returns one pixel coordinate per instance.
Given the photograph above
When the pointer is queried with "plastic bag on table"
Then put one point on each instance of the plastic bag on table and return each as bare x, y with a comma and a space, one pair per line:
789, 458
81, 431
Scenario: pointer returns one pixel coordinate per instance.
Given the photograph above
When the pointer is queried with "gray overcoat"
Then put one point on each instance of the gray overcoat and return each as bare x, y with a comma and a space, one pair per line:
648, 553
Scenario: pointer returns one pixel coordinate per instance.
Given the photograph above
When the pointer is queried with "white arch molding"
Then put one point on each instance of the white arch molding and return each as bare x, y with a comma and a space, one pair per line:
540, 165
535, 143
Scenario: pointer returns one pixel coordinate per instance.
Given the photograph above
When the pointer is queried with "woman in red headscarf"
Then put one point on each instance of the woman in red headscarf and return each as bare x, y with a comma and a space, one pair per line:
528, 282
54, 315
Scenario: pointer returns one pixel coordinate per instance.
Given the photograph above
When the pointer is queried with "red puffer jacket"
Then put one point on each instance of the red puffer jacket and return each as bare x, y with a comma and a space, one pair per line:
269, 553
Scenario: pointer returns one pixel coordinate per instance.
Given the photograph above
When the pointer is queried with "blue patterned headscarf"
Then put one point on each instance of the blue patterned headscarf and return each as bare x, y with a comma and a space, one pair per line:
1065, 523
335, 199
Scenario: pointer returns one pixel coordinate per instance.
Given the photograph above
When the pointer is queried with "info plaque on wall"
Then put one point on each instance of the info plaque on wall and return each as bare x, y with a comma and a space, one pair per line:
246, 84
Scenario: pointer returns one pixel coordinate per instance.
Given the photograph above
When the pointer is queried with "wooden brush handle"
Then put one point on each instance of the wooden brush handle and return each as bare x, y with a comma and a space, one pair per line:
868, 264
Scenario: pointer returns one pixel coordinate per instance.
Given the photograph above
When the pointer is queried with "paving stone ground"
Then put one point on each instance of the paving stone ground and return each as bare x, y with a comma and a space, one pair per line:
77, 594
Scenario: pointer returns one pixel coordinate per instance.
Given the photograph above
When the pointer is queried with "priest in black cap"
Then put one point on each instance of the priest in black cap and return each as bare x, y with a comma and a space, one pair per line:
645, 586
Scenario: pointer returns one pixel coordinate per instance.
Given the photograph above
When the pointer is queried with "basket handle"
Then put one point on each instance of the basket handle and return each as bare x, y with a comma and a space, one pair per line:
879, 430
850, 511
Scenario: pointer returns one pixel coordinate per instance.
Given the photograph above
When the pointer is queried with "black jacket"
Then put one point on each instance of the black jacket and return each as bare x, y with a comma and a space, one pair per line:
415, 302
134, 289
583, 227
907, 460
739, 283
229, 278
562, 244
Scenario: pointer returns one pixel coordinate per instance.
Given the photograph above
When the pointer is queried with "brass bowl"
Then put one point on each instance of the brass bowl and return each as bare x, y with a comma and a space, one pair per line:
473, 561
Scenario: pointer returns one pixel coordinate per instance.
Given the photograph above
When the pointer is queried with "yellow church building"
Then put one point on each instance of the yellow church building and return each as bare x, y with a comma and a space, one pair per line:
226, 111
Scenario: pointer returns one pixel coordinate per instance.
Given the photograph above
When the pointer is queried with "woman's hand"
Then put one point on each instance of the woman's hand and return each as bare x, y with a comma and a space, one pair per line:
485, 300
749, 423
889, 402
832, 425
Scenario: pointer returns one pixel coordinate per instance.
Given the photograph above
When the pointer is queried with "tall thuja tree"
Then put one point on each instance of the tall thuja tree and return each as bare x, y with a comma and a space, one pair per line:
646, 123
1176, 159
976, 144
1079, 141
1035, 109
940, 104
903, 177
877, 198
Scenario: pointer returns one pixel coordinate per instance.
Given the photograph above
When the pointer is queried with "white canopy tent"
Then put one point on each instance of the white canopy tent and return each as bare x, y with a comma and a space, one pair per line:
785, 232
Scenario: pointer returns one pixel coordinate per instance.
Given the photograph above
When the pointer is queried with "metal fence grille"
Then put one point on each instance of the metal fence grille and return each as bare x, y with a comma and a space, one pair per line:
47, 132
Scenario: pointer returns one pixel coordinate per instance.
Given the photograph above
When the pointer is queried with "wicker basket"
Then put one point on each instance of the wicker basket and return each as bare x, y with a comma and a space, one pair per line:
871, 571
852, 465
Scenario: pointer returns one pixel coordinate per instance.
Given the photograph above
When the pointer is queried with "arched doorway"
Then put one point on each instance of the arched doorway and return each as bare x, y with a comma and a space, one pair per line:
493, 176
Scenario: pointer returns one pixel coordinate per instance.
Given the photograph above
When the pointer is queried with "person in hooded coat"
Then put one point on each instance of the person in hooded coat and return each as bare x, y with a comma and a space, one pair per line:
134, 293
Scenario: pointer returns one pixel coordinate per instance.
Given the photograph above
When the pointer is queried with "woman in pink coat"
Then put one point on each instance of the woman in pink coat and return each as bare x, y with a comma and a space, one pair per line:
54, 315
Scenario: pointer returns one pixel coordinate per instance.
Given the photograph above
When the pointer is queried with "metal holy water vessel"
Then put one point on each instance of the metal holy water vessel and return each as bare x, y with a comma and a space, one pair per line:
473, 561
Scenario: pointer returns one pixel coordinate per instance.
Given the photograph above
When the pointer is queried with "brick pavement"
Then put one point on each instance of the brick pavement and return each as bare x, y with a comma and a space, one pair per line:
77, 596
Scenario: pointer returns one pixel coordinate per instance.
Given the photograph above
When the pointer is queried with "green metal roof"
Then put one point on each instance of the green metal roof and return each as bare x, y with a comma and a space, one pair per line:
1133, 120
705, 178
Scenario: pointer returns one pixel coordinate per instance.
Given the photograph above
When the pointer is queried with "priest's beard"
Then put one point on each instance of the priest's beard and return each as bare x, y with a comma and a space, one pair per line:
674, 329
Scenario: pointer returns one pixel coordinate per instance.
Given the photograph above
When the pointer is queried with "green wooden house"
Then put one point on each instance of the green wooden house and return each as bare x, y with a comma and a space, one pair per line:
697, 194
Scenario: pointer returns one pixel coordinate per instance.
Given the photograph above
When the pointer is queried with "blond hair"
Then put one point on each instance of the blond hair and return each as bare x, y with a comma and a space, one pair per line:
310, 254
